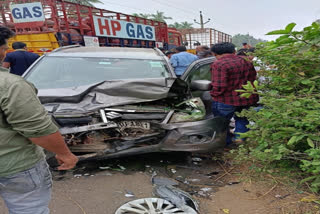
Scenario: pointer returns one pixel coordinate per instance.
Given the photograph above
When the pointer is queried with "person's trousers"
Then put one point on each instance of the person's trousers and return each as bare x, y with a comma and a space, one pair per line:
28, 192
228, 111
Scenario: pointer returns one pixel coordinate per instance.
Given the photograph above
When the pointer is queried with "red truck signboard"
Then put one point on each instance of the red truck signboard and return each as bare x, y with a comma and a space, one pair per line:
121, 29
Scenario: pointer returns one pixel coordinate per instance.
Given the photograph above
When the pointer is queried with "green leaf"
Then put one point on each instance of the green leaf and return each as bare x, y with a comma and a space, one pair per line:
285, 41
296, 103
287, 30
307, 28
304, 48
283, 37
316, 25
290, 27
278, 157
311, 89
256, 83
292, 140
315, 163
268, 114
306, 82
310, 143
246, 95
240, 91
247, 87
277, 32
315, 77
307, 179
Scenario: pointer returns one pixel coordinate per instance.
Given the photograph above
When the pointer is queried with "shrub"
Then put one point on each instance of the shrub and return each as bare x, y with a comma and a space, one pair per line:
287, 128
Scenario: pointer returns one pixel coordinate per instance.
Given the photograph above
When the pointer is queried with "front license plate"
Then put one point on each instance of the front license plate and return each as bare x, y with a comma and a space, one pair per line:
134, 124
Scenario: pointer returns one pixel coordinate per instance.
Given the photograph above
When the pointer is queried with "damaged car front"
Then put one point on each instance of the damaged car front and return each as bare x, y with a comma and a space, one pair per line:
114, 102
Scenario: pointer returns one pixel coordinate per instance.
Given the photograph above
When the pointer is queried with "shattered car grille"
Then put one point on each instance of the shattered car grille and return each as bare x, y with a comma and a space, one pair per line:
111, 136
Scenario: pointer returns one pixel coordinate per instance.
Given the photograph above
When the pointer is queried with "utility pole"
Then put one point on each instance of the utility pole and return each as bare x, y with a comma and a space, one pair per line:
201, 23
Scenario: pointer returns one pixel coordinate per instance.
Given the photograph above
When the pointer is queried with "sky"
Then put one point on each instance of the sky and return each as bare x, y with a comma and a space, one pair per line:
256, 17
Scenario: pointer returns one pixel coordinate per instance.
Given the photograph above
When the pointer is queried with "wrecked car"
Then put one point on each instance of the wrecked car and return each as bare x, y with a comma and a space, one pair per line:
111, 102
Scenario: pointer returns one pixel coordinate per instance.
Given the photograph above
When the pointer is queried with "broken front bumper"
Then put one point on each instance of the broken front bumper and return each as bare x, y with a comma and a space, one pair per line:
200, 136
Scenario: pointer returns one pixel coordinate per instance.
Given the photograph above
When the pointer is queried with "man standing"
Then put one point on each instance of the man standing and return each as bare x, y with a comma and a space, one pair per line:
169, 54
203, 51
181, 60
246, 53
19, 60
245, 45
162, 50
25, 127
229, 73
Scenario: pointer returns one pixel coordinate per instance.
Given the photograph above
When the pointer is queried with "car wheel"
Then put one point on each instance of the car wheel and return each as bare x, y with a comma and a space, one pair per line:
153, 206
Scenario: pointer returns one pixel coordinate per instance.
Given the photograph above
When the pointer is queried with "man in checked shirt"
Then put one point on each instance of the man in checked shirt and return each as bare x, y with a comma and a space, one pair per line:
229, 73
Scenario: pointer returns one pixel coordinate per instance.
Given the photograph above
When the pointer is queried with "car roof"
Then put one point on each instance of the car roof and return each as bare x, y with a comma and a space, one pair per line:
110, 52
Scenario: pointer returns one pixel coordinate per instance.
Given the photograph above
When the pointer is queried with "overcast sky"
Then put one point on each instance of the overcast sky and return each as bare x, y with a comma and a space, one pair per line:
256, 17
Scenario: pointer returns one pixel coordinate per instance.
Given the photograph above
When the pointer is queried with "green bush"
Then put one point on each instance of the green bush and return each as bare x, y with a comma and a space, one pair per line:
288, 126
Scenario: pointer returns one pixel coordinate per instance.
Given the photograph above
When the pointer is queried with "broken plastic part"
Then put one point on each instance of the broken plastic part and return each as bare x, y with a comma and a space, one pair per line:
176, 196
190, 110
164, 181
103, 116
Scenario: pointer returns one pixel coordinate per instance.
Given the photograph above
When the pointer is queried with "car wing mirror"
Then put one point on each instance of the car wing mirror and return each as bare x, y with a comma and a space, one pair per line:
201, 85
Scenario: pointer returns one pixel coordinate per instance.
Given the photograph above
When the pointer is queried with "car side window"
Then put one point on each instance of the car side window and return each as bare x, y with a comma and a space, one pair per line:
200, 73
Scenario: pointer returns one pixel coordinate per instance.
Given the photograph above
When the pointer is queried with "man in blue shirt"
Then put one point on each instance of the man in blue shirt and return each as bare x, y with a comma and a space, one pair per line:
181, 60
19, 60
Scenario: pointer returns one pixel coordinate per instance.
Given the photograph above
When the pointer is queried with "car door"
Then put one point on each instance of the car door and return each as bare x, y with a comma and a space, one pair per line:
200, 70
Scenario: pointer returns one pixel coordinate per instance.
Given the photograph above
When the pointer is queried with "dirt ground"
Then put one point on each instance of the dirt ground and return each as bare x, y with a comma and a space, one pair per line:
257, 198
217, 187
102, 193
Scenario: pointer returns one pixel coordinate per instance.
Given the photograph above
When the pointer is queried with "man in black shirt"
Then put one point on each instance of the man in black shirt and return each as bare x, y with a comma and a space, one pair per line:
19, 60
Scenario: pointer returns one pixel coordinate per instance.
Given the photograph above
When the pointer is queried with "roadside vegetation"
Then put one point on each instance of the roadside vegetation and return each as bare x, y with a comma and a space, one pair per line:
285, 133
238, 39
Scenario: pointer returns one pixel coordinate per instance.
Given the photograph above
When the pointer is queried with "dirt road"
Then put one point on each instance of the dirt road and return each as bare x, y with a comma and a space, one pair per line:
219, 189
103, 193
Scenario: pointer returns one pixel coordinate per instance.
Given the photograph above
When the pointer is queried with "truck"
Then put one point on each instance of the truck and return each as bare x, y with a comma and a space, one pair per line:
45, 25
203, 36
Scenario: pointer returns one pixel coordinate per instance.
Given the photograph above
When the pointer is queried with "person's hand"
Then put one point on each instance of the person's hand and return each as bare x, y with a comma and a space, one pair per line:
66, 161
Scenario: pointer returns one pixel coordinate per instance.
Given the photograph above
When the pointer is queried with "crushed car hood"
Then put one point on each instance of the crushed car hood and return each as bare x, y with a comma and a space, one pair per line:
84, 99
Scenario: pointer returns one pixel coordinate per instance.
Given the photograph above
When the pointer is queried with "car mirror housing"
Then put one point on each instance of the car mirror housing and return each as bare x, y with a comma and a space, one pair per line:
201, 85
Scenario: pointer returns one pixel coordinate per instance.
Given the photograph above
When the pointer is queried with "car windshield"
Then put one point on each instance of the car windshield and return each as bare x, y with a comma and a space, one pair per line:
64, 72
